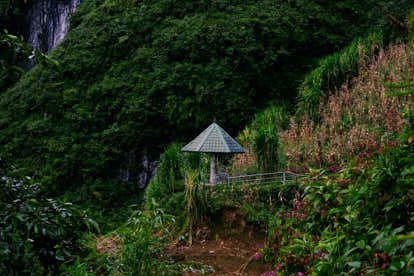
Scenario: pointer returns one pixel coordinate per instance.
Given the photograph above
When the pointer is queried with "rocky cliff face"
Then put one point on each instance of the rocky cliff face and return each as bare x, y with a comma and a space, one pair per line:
138, 168
49, 22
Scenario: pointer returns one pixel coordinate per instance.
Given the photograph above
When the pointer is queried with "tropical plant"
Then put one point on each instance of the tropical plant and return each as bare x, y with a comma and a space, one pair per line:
168, 186
37, 234
261, 138
353, 221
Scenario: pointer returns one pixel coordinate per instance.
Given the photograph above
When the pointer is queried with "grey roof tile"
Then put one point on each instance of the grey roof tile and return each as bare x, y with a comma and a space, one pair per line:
214, 139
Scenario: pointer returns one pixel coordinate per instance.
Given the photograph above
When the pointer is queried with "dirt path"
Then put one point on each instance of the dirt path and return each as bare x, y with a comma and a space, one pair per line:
226, 252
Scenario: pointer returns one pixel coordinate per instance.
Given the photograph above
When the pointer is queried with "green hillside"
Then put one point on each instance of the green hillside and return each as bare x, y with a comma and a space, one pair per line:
323, 89
132, 77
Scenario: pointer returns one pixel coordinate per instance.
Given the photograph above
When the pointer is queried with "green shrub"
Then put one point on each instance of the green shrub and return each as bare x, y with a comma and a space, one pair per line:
37, 234
134, 248
265, 147
177, 202
167, 173
169, 176
358, 220
264, 137
142, 249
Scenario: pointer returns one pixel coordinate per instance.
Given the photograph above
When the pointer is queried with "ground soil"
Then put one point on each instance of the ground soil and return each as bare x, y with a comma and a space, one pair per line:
228, 251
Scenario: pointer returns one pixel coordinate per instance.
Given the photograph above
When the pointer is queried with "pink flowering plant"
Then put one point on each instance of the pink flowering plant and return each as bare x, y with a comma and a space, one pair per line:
344, 221
290, 246
359, 119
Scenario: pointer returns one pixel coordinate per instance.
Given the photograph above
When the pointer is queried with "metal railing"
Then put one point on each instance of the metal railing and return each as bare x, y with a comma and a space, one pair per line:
261, 178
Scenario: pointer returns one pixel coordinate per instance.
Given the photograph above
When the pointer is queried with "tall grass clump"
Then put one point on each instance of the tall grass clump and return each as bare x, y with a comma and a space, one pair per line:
265, 147
194, 206
333, 71
167, 173
175, 188
144, 236
261, 139
167, 187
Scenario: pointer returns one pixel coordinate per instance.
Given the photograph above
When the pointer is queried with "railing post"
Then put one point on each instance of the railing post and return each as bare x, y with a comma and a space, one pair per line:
284, 178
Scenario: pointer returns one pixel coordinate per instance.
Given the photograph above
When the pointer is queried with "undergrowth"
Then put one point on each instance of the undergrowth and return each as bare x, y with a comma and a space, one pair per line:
358, 120
333, 71
135, 248
358, 220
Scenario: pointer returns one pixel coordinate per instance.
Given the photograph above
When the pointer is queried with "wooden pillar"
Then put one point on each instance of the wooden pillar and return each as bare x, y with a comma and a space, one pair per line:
213, 175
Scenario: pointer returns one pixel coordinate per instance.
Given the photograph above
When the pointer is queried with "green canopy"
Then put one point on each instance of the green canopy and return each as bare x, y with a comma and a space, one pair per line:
214, 139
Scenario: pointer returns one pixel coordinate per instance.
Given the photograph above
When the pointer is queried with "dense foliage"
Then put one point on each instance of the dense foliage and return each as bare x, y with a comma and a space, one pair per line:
333, 71
13, 15
356, 220
134, 248
261, 139
133, 76
14, 53
37, 234
357, 120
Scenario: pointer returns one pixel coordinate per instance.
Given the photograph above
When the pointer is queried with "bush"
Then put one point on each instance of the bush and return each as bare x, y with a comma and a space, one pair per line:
144, 236
134, 248
169, 176
261, 140
358, 220
37, 234
13, 53
166, 176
